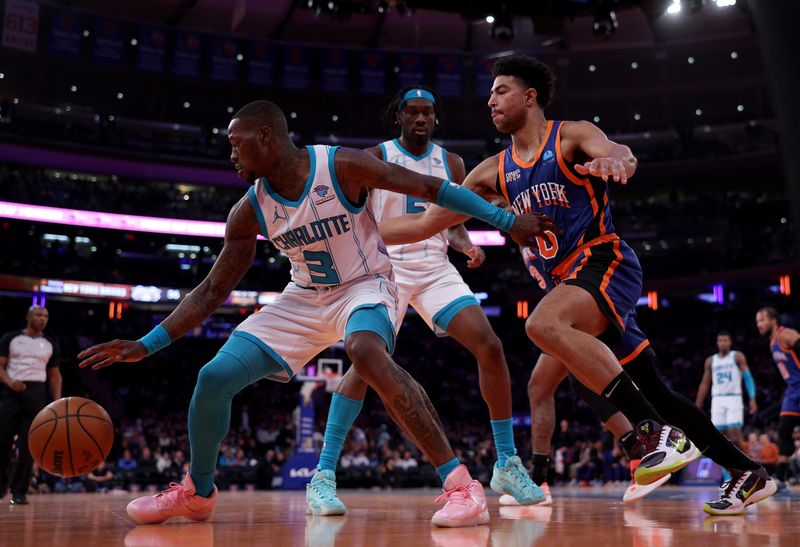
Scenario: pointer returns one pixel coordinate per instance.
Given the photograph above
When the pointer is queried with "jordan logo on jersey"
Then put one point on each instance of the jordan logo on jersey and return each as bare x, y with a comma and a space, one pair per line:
277, 216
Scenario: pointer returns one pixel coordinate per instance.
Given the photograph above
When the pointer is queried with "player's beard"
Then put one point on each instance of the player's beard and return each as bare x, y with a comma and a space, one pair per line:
418, 140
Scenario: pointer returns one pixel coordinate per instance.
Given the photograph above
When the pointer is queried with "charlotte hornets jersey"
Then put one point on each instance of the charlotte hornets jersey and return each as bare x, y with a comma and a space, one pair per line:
388, 204
549, 185
329, 240
726, 377
787, 361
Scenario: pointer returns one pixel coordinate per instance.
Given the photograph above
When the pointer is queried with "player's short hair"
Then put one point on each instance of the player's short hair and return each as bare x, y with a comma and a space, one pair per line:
264, 113
771, 312
531, 73
724, 333
390, 112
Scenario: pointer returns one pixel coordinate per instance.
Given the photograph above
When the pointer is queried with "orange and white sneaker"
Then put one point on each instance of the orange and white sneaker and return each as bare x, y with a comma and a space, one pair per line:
465, 501
638, 491
179, 500
505, 499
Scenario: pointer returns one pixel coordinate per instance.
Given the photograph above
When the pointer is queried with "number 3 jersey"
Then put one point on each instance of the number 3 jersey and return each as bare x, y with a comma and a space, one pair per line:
328, 239
388, 204
549, 185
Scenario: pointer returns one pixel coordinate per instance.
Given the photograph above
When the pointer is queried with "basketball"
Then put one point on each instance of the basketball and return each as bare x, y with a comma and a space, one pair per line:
71, 436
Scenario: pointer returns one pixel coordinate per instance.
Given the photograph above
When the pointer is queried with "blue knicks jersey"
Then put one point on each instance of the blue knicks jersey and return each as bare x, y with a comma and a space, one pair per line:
787, 361
579, 205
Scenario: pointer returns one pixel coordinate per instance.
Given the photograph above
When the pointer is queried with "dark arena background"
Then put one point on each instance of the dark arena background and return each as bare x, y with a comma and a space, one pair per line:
116, 181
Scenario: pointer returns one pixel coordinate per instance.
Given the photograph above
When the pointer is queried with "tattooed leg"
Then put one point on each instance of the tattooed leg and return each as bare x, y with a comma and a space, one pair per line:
403, 397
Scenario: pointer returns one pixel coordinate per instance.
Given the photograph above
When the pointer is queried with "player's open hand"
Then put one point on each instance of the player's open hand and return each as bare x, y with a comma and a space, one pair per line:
604, 168
753, 406
528, 226
116, 351
476, 257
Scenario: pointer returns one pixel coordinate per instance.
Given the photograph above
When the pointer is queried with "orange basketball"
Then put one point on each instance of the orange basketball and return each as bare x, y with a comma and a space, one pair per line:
71, 436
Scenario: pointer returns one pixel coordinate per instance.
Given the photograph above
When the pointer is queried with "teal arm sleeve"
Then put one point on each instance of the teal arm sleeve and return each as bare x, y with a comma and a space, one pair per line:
749, 383
452, 196
156, 339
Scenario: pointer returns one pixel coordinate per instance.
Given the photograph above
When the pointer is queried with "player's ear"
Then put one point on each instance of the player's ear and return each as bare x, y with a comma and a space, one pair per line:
264, 134
530, 96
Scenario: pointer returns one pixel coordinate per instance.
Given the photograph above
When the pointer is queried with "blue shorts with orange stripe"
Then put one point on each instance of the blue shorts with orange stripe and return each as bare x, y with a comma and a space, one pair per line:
611, 273
633, 341
791, 401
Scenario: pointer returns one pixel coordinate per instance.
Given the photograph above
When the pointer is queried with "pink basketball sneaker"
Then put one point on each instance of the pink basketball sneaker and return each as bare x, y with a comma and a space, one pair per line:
179, 500
465, 501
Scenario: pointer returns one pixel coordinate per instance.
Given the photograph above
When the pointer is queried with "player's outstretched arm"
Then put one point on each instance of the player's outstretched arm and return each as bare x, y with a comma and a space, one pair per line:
609, 159
358, 170
235, 259
705, 383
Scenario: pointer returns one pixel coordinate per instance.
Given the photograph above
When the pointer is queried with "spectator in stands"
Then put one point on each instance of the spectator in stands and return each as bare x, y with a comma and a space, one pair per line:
126, 466
769, 453
100, 479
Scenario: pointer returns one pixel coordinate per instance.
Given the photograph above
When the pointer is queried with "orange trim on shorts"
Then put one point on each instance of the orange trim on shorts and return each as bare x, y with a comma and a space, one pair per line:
501, 174
563, 267
574, 274
635, 353
528, 165
607, 278
789, 413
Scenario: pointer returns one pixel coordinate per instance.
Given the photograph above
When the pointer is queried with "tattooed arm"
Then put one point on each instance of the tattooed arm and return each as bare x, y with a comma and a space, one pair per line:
235, 259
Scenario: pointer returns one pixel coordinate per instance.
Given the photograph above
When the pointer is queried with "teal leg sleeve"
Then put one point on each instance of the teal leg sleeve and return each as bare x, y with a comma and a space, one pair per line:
341, 416
239, 363
503, 431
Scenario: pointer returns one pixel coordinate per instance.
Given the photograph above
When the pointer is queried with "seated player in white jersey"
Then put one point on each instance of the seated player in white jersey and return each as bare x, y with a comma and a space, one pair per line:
431, 284
311, 203
723, 373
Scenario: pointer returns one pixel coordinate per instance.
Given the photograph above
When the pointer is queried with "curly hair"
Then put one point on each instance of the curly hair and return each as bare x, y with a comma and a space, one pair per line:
530, 72
390, 112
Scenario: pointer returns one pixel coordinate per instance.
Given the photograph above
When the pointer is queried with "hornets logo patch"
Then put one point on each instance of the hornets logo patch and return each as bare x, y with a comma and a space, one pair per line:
324, 193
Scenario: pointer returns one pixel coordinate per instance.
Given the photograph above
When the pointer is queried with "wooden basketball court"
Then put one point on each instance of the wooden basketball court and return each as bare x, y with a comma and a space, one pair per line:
578, 517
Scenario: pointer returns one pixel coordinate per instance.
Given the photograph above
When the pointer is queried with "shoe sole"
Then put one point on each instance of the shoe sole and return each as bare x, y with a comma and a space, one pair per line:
195, 518
320, 512
648, 475
497, 488
642, 490
482, 518
509, 501
769, 489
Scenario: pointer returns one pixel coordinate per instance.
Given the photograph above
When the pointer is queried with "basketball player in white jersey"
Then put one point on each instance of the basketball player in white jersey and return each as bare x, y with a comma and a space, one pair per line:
312, 204
724, 372
431, 284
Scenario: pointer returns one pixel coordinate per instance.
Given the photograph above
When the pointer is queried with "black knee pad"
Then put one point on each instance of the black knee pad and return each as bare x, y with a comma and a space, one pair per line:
603, 408
786, 425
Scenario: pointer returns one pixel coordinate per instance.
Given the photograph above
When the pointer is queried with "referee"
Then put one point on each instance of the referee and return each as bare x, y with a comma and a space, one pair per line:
29, 361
